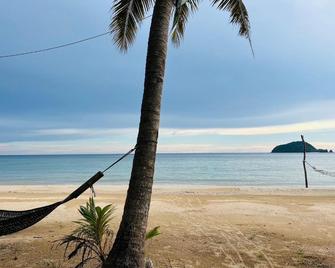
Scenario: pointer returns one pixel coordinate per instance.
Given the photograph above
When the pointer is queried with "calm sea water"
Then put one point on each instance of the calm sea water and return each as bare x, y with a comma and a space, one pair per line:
193, 169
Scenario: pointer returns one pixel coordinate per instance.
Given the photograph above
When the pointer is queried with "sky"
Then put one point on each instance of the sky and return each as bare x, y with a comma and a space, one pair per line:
217, 96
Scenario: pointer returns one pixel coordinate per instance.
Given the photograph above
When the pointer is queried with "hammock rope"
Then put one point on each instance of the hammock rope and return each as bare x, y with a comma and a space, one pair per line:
321, 171
14, 221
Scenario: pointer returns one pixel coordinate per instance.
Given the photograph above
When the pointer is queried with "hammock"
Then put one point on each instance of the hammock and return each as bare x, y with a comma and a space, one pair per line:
321, 171
14, 221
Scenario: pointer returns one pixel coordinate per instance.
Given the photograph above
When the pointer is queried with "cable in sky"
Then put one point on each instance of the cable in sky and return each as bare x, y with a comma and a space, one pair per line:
55, 47
59, 46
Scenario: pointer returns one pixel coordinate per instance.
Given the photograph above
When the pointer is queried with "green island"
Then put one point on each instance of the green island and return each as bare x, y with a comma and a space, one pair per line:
298, 147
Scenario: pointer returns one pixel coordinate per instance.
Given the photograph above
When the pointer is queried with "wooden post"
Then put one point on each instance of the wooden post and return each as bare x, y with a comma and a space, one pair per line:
304, 161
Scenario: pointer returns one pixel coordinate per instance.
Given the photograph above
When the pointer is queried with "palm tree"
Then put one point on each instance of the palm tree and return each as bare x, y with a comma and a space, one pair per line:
128, 248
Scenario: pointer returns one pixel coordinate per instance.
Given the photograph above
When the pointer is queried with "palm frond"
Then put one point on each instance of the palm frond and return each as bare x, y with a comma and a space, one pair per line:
152, 233
127, 15
181, 14
238, 15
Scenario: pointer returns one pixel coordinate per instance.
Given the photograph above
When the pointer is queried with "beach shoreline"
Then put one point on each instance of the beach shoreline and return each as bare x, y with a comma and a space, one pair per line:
206, 226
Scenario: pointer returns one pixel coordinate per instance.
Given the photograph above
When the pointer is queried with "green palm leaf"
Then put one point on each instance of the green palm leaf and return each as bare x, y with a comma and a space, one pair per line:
238, 15
181, 13
152, 233
127, 15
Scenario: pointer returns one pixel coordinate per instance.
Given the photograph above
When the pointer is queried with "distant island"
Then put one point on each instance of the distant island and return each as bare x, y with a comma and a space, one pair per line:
297, 147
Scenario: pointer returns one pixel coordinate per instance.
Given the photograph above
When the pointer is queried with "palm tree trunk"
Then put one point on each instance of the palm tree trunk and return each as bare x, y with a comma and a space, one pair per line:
128, 248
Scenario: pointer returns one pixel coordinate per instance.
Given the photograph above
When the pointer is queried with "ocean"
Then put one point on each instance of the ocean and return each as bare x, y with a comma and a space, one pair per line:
247, 169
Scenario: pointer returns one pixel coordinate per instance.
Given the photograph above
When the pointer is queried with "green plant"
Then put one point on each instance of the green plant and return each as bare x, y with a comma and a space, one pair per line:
92, 238
152, 233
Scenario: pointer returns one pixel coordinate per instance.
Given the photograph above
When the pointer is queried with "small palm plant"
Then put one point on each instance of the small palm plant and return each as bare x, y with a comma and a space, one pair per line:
92, 238
152, 233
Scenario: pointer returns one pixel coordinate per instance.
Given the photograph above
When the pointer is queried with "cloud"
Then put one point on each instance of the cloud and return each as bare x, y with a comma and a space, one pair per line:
83, 131
211, 148
62, 147
105, 147
313, 110
312, 126
198, 140
252, 131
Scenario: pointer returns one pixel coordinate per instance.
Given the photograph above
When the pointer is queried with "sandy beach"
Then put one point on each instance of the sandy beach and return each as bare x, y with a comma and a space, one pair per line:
201, 226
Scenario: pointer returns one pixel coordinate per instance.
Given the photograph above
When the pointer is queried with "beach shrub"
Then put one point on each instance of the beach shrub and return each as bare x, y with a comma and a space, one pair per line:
92, 239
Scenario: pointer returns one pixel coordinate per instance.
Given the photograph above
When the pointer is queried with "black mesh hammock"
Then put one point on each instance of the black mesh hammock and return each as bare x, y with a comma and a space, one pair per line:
14, 221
